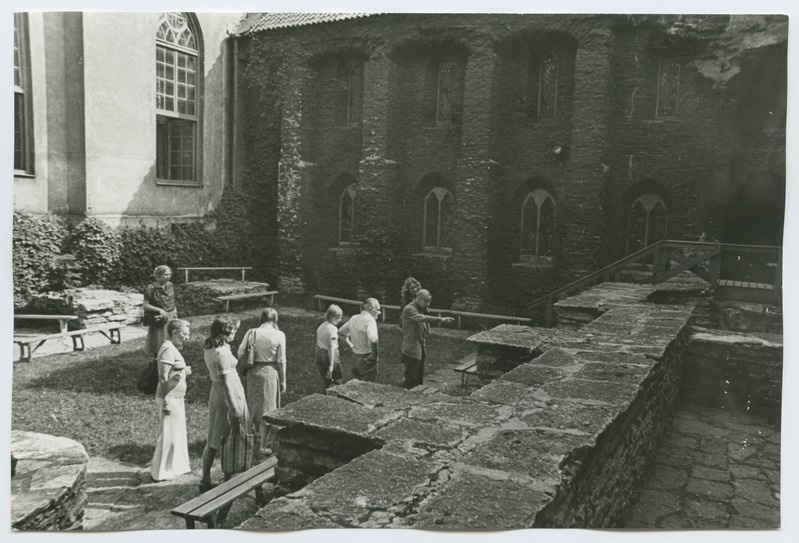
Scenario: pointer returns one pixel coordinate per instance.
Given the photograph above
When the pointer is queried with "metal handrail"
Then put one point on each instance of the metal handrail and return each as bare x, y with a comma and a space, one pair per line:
655, 249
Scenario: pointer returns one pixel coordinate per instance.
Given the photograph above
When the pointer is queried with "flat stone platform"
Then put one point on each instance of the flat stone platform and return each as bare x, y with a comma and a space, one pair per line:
559, 441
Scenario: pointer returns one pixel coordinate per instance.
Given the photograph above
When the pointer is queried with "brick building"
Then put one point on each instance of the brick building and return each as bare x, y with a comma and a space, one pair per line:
496, 157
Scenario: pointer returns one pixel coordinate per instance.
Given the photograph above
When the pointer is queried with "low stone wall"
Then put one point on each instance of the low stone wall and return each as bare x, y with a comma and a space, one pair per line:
736, 370
560, 441
47, 490
92, 306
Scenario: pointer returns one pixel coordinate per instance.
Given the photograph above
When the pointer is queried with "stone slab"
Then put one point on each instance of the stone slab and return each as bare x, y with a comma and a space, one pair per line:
480, 502
332, 414
375, 481
513, 336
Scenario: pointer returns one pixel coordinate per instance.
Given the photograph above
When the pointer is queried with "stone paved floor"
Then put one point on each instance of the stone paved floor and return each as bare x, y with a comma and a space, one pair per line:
714, 468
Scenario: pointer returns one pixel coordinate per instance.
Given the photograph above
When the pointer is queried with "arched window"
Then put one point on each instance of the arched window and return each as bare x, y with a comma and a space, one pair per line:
346, 213
178, 80
447, 95
439, 219
647, 221
537, 224
348, 92
23, 114
547, 90
667, 96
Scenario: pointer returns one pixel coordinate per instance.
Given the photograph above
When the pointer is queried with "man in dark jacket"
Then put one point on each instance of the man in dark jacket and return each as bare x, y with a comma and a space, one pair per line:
415, 327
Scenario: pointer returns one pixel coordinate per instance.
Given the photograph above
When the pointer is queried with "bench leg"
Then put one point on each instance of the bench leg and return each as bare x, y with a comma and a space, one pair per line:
116, 336
260, 498
25, 352
77, 343
189, 523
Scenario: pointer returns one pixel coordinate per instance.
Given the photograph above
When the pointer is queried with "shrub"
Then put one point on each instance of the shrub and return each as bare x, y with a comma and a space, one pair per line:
96, 247
36, 254
140, 251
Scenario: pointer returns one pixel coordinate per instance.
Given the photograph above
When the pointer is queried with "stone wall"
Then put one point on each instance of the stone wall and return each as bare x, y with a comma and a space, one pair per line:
736, 371
494, 150
92, 306
47, 490
560, 441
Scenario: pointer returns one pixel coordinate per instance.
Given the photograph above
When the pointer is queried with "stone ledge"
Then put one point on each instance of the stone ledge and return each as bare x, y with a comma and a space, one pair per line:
47, 491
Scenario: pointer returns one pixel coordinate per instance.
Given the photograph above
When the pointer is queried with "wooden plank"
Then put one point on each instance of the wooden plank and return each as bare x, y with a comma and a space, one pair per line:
467, 366
198, 507
46, 317
232, 494
259, 294
207, 268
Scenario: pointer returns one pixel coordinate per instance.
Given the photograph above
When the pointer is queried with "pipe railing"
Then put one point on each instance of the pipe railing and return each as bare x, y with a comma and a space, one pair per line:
662, 268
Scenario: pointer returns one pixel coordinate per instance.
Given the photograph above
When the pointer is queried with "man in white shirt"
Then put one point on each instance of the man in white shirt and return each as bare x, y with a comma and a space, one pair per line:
360, 335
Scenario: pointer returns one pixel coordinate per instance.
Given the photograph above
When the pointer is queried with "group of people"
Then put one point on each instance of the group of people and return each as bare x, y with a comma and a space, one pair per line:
360, 335
230, 402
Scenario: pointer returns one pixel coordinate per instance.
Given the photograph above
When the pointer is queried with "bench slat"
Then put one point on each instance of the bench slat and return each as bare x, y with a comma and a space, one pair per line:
209, 502
46, 317
244, 296
467, 367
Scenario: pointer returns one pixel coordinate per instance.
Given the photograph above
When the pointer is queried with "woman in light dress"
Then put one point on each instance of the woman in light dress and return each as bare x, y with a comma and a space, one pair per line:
266, 380
171, 456
226, 402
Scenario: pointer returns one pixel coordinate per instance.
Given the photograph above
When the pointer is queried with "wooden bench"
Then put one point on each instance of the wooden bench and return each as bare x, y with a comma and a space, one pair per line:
242, 269
204, 507
63, 320
321, 299
111, 331
249, 295
467, 369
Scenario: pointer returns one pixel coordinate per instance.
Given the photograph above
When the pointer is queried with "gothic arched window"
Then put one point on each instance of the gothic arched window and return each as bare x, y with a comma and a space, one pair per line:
537, 224
439, 219
349, 93
646, 222
448, 92
178, 83
346, 213
547, 103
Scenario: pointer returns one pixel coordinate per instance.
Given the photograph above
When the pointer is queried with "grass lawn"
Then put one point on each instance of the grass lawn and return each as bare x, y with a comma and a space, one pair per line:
91, 396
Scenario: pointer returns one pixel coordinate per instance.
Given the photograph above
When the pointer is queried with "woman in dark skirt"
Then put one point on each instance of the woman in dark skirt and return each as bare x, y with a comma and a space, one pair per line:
159, 301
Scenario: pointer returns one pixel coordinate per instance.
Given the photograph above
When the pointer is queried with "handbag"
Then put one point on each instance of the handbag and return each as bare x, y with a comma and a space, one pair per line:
148, 380
247, 360
237, 450
152, 318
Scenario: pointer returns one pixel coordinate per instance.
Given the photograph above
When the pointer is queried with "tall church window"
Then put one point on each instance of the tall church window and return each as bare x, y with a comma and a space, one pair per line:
547, 87
178, 63
668, 88
346, 213
23, 114
439, 219
448, 92
647, 222
537, 224
349, 93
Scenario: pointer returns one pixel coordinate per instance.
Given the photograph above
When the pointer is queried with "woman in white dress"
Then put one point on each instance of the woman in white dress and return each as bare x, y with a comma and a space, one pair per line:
171, 456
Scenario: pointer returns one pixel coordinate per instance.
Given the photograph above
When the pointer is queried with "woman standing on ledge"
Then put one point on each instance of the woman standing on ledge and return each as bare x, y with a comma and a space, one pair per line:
171, 456
159, 309
226, 402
